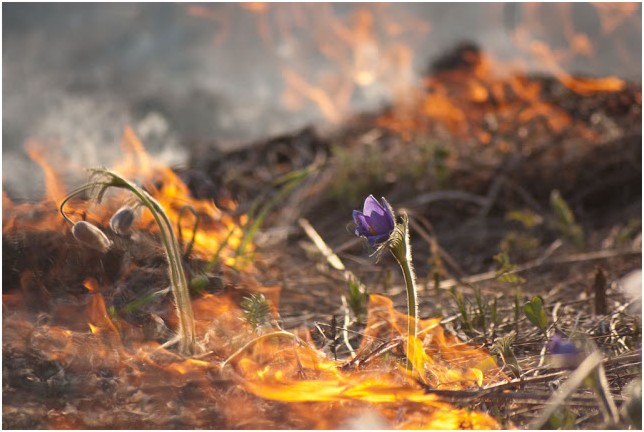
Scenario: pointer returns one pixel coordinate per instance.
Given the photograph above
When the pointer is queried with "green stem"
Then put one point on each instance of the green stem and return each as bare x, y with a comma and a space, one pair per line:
195, 227
401, 250
179, 284
75, 192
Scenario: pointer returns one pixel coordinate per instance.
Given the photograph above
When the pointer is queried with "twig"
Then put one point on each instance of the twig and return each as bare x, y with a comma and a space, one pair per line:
347, 322
254, 341
333, 260
540, 262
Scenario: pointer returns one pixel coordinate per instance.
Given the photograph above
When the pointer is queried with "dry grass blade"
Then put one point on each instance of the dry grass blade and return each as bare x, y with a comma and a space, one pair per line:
576, 379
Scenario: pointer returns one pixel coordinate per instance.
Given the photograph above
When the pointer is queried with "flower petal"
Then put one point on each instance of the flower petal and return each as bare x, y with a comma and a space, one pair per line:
362, 228
376, 239
389, 212
371, 206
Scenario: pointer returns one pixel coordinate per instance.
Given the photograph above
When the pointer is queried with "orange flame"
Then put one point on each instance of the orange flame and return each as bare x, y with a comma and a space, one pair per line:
160, 181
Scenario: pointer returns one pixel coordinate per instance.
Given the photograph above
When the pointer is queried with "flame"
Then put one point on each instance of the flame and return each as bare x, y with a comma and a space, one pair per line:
167, 188
214, 226
54, 187
293, 372
280, 370
483, 98
334, 61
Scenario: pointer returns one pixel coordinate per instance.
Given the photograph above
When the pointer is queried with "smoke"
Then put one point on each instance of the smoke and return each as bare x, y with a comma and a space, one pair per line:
77, 74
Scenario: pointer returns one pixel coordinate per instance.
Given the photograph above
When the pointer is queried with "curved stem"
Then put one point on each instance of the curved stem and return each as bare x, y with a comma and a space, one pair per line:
253, 342
179, 284
71, 195
195, 227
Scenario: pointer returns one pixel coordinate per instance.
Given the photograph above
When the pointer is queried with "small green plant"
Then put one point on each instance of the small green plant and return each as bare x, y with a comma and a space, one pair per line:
142, 301
521, 243
633, 226
358, 298
429, 159
564, 219
481, 309
563, 418
188, 249
421, 160
517, 307
503, 348
535, 312
463, 309
527, 218
199, 282
507, 272
481, 316
257, 311
286, 184
366, 160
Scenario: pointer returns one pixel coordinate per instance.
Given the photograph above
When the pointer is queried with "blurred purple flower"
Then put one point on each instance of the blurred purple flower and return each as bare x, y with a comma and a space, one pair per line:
565, 353
559, 345
375, 222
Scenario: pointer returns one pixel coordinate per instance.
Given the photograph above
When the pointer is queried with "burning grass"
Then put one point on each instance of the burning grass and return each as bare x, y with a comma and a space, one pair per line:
522, 248
102, 350
85, 344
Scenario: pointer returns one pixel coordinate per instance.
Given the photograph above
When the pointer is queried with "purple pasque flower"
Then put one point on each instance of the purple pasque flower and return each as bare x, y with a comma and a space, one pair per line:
565, 354
375, 222
559, 345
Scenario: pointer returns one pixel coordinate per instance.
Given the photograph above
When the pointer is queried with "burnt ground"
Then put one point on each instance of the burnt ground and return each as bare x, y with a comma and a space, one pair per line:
463, 202
468, 201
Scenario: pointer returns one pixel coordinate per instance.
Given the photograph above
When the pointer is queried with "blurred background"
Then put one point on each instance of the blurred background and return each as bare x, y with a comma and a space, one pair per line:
223, 75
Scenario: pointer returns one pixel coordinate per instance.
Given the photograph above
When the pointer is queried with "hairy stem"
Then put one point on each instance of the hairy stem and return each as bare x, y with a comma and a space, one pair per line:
179, 284
401, 250
75, 192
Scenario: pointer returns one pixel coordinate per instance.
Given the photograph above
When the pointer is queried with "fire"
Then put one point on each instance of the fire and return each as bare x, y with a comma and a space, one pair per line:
167, 188
286, 369
337, 61
478, 99
299, 373
214, 226
263, 378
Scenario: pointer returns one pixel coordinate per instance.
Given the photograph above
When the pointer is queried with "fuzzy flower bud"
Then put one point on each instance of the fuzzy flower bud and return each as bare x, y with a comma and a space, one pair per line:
122, 220
375, 222
91, 236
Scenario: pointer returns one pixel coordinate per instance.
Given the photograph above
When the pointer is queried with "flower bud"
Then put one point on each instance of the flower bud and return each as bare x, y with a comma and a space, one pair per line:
91, 236
122, 220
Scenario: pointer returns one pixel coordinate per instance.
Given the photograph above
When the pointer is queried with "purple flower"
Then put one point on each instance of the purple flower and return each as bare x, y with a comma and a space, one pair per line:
559, 345
375, 222
565, 354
